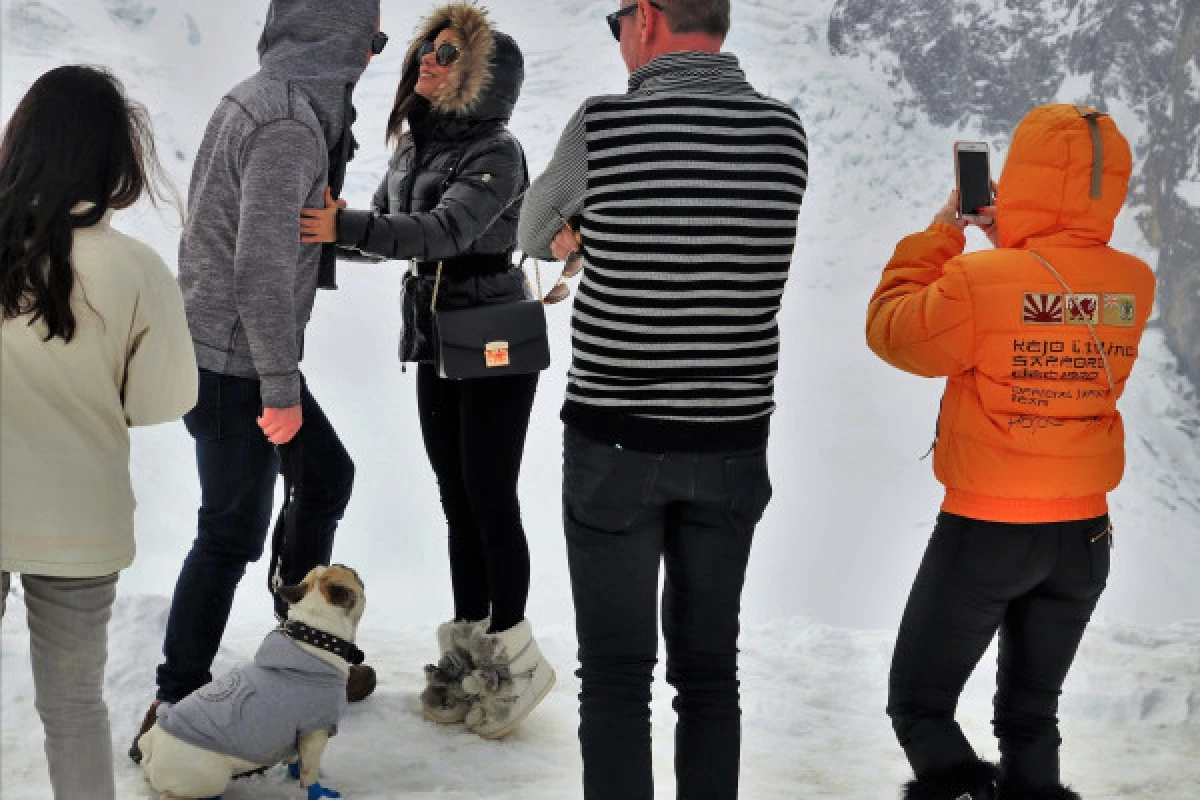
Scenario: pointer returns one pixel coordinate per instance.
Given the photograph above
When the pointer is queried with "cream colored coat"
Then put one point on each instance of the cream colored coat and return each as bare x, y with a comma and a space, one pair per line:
66, 500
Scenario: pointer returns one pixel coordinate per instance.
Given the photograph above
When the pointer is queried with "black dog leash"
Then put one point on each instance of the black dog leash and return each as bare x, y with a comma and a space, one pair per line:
285, 523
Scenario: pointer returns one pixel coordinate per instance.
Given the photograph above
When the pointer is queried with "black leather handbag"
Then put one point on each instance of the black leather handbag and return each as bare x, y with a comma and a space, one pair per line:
490, 340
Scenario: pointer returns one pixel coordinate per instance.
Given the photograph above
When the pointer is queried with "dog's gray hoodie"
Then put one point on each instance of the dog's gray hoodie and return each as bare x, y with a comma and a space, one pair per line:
248, 284
257, 713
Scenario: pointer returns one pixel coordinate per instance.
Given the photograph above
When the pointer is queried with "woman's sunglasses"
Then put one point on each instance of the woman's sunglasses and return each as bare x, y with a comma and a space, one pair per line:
445, 55
378, 42
614, 19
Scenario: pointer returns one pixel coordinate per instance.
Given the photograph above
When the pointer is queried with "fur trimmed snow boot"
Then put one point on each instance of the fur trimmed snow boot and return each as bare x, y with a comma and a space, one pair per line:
970, 780
509, 680
1009, 791
444, 700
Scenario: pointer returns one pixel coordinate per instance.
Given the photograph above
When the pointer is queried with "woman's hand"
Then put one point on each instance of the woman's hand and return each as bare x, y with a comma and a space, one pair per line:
319, 225
948, 214
990, 231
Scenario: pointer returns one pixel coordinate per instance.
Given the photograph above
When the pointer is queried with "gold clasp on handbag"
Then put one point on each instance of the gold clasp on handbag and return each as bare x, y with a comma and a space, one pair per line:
496, 354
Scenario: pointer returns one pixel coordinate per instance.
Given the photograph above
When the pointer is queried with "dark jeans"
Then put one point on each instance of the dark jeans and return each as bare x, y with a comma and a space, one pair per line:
238, 469
625, 513
1037, 585
474, 433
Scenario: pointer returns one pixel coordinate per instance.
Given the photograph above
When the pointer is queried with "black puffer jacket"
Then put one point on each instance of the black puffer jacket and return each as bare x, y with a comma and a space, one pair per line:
454, 187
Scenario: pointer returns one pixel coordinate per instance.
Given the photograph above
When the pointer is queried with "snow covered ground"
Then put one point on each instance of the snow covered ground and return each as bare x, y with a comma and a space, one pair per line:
853, 508
813, 699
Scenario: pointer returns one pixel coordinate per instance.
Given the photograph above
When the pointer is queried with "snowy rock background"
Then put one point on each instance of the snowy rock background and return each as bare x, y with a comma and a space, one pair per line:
853, 507
983, 63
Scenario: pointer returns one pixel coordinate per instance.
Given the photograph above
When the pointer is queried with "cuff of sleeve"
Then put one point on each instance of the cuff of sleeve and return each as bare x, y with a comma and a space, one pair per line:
953, 231
280, 391
352, 226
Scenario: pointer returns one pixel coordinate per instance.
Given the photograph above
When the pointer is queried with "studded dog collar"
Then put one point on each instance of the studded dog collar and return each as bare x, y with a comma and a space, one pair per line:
341, 648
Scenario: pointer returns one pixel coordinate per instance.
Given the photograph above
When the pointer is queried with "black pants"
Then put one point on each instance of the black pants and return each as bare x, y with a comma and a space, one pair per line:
625, 513
1037, 585
474, 433
238, 470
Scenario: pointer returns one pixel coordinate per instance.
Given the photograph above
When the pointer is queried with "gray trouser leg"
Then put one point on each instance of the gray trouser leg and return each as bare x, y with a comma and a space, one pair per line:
68, 632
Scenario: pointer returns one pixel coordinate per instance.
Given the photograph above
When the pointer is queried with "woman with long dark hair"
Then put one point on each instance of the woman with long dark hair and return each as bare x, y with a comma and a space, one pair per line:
94, 341
450, 203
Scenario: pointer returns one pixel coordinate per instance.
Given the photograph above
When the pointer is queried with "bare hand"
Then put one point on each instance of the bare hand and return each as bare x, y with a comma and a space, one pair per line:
281, 424
566, 243
948, 214
319, 225
990, 230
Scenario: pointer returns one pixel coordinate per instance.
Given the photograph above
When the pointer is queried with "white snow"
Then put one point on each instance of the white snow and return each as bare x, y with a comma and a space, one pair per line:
813, 699
1190, 192
853, 505
1075, 88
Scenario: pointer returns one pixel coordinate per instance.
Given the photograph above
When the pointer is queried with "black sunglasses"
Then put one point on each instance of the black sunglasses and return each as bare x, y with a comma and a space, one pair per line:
614, 19
378, 41
445, 55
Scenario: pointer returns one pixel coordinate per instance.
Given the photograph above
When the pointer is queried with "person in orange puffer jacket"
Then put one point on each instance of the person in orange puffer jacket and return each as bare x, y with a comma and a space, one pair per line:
1037, 339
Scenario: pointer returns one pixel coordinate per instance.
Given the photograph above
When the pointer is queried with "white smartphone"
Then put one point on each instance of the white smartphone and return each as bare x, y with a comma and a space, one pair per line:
973, 176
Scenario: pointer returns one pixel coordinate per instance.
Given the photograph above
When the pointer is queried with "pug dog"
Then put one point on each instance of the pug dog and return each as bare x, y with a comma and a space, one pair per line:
286, 704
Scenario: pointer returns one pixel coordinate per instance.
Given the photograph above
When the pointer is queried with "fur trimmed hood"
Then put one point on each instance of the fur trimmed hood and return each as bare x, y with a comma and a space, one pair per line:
486, 80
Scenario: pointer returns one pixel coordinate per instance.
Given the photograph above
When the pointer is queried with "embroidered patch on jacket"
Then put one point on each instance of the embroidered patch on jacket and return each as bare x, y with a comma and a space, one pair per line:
1083, 309
1042, 309
220, 689
1120, 310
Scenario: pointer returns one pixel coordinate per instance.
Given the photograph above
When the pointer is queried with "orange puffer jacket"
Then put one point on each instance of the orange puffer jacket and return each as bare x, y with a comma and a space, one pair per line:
1029, 429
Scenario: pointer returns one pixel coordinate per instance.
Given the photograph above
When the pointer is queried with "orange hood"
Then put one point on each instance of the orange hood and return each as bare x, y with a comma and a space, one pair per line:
1048, 189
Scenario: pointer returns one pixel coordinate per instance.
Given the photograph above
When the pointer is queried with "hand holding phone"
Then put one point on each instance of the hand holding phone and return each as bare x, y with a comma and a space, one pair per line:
973, 180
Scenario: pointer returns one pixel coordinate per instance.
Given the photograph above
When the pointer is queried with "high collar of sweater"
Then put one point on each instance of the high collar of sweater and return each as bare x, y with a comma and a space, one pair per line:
688, 68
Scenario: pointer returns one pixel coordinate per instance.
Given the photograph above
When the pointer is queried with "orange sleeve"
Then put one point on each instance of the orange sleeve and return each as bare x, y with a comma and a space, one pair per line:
919, 319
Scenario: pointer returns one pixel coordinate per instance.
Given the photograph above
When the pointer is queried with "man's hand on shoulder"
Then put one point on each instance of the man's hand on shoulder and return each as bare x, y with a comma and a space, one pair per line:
280, 425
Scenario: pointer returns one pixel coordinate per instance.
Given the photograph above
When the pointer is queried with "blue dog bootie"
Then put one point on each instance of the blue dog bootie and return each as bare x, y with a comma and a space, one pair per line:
315, 792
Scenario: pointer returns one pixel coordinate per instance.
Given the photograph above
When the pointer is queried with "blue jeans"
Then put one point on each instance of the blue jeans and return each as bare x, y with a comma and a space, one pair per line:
627, 514
238, 469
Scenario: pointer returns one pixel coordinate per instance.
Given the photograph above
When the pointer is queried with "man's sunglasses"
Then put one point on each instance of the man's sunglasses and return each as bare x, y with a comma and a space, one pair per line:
445, 55
560, 290
614, 19
378, 42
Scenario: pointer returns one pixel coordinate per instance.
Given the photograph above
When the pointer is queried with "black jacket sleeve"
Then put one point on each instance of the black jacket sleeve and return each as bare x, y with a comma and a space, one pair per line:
489, 179
379, 204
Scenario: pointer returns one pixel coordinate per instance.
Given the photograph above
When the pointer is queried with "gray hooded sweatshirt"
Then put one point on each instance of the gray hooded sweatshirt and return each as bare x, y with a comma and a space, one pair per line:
258, 713
248, 284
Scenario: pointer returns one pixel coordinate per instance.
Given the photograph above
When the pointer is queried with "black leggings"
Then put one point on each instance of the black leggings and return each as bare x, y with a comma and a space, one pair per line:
474, 433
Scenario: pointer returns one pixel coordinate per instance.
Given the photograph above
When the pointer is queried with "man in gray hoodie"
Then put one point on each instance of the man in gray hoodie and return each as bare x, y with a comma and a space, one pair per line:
275, 143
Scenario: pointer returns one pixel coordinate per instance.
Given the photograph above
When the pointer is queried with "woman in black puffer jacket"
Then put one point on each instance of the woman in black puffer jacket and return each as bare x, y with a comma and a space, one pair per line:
452, 195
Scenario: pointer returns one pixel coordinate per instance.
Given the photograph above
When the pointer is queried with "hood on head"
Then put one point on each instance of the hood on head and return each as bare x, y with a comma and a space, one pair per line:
486, 80
1050, 186
322, 45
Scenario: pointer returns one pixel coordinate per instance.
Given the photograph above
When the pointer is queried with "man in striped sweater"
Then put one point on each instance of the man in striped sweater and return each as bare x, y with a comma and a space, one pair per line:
687, 189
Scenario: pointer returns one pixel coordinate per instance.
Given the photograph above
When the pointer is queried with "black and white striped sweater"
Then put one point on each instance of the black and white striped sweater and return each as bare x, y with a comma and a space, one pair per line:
689, 187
